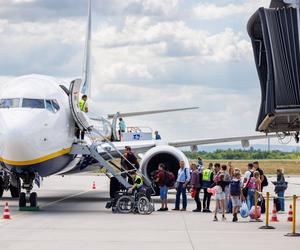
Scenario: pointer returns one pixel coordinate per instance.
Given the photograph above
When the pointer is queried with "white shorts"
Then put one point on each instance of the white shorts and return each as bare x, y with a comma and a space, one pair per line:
236, 201
220, 196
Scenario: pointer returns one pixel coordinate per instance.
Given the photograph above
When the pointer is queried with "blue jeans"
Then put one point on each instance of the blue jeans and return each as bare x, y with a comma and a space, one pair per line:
250, 199
281, 199
163, 192
181, 191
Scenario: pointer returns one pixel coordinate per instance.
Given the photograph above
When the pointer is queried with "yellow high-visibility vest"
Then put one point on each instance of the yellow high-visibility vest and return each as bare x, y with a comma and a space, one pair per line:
82, 105
206, 174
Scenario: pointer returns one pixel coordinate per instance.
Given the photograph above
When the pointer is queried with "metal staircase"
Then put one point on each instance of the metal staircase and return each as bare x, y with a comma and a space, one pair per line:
101, 149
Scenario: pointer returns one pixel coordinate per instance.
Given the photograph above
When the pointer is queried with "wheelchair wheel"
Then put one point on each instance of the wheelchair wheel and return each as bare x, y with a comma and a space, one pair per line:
125, 204
143, 205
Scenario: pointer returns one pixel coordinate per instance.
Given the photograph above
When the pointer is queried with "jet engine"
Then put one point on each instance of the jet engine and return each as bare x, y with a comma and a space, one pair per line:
170, 156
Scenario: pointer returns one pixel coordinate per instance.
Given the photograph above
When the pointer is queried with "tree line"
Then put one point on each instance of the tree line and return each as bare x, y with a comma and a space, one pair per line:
241, 154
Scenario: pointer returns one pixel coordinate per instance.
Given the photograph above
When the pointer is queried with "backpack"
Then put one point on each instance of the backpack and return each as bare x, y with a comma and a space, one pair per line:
169, 179
265, 182
235, 188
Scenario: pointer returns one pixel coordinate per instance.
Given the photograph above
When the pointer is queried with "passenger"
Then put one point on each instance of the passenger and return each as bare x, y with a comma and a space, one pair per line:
280, 187
254, 186
162, 179
131, 161
157, 135
122, 127
217, 171
263, 178
220, 196
183, 179
227, 178
236, 194
230, 169
249, 173
83, 104
200, 164
207, 181
138, 183
196, 183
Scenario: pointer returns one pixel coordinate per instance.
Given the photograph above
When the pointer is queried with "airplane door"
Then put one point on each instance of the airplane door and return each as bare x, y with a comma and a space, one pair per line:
80, 117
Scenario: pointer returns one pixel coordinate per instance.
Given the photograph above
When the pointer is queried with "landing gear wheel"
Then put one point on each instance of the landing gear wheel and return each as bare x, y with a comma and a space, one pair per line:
1, 187
33, 200
15, 190
22, 200
143, 205
125, 204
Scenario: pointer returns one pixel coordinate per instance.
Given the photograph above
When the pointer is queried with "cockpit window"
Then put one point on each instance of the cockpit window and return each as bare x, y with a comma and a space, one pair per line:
9, 103
55, 105
52, 105
33, 103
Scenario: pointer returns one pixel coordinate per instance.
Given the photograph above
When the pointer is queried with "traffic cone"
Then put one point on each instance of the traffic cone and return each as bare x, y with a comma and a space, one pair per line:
274, 214
6, 214
290, 215
94, 185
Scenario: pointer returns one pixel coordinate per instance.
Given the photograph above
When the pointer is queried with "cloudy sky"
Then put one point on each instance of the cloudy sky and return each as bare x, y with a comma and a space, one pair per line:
146, 54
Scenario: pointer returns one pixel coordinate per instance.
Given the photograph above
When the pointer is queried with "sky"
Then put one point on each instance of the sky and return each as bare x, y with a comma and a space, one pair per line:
146, 54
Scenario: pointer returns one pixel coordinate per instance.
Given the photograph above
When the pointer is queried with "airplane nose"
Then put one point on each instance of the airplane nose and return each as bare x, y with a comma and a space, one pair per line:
16, 138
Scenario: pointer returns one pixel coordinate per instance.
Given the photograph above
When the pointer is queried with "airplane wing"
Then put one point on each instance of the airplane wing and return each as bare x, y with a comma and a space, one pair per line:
149, 112
243, 139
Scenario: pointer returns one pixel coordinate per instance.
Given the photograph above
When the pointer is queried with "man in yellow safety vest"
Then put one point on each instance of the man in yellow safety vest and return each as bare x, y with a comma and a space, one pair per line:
83, 104
138, 182
207, 181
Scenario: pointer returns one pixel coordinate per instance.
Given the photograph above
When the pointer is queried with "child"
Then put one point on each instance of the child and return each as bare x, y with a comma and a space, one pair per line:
220, 196
236, 194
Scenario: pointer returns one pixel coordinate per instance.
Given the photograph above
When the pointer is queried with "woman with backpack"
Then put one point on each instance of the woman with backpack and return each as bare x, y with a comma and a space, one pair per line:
253, 186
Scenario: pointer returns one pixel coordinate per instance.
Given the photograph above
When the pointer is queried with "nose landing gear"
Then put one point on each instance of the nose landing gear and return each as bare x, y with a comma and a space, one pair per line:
28, 197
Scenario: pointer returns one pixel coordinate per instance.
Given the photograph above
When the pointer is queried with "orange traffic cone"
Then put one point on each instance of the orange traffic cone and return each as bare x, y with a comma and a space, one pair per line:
6, 214
94, 185
274, 214
290, 214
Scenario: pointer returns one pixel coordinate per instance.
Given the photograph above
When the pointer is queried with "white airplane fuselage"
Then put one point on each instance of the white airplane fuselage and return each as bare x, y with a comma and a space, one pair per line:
36, 139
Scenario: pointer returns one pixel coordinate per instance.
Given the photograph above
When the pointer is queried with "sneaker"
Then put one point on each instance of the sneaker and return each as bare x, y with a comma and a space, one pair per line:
208, 211
161, 209
215, 218
234, 219
204, 210
175, 209
183, 209
197, 210
166, 209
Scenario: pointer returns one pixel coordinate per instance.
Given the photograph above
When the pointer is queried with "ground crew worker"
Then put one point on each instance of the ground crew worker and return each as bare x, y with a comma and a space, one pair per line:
207, 181
83, 104
138, 182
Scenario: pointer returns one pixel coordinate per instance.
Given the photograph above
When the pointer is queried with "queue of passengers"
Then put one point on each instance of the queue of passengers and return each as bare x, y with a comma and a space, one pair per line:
231, 189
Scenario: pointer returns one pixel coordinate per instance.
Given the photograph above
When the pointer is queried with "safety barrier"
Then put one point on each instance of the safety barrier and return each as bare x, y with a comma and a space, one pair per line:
267, 202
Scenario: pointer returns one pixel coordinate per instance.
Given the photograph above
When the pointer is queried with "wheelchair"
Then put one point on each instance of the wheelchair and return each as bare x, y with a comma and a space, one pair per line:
137, 202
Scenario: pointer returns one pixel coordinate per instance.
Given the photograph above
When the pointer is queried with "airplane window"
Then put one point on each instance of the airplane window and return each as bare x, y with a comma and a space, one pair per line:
55, 105
10, 103
49, 106
33, 103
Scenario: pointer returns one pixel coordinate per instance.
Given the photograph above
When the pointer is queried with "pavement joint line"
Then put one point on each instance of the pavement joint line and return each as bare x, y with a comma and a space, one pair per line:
187, 231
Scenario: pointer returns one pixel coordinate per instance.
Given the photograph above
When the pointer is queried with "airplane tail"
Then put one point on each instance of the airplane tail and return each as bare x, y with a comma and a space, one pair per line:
86, 76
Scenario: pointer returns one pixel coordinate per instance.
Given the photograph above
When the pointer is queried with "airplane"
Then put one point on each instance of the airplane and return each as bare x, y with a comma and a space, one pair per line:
38, 121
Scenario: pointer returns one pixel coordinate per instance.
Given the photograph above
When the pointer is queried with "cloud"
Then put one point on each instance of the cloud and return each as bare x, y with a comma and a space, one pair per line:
208, 11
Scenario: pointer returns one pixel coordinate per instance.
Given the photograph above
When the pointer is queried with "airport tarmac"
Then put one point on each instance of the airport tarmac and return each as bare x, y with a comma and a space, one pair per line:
73, 216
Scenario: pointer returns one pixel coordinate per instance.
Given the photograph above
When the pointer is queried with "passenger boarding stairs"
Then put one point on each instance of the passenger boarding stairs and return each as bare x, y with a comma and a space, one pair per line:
100, 148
